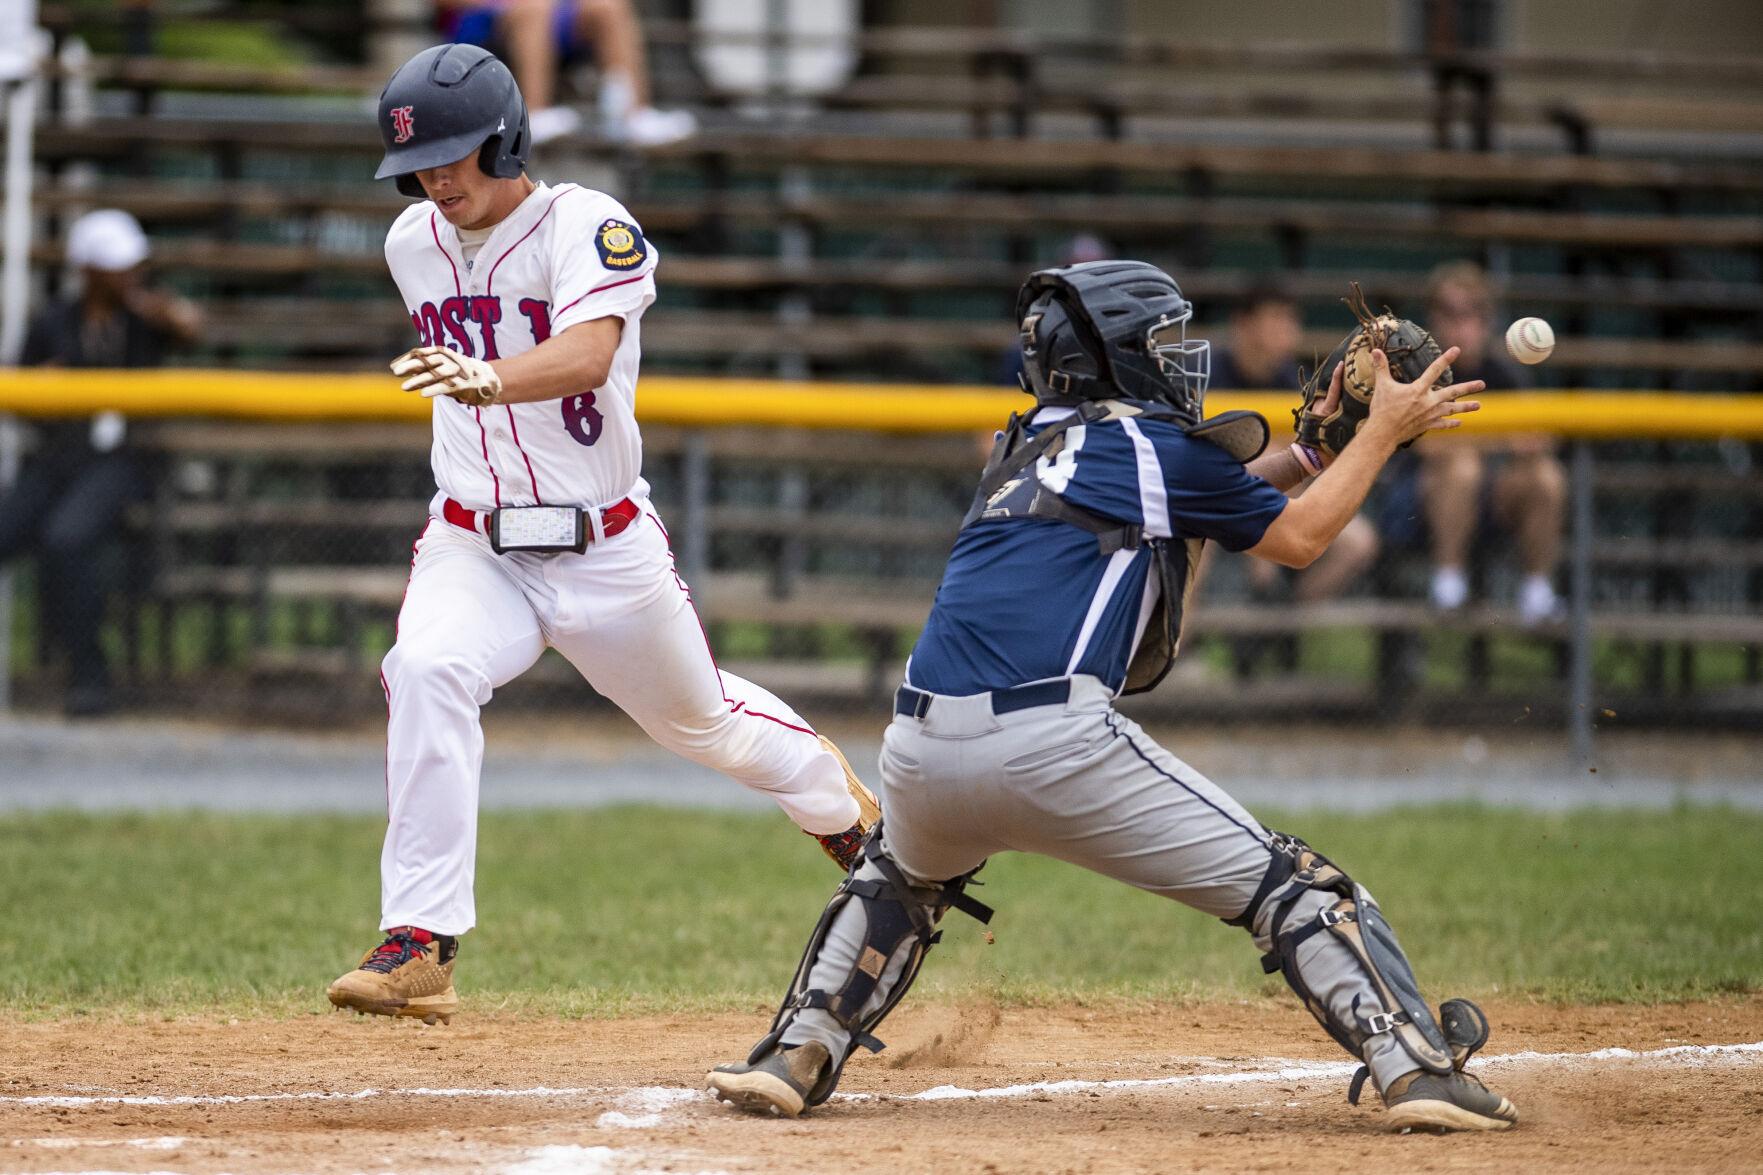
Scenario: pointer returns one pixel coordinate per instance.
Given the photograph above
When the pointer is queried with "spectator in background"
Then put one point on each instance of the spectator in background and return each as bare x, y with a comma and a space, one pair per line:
541, 37
1260, 353
1260, 350
79, 477
1449, 489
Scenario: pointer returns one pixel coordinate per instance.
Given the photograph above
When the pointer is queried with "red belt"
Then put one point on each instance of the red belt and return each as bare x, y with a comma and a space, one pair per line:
613, 520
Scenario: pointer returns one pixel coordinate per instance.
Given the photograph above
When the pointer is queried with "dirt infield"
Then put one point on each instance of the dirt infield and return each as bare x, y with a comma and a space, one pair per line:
1242, 1086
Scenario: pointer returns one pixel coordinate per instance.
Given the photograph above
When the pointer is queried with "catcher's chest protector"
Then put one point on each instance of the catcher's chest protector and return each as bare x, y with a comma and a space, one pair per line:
1010, 489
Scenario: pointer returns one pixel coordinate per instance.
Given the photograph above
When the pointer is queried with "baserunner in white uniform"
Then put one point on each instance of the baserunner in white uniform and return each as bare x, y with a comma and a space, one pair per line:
528, 301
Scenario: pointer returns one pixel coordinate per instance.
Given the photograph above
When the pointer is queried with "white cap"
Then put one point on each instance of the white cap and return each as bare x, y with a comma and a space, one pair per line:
20, 45
108, 239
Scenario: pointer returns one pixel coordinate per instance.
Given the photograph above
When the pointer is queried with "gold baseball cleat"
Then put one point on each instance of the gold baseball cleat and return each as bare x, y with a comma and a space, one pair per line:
409, 974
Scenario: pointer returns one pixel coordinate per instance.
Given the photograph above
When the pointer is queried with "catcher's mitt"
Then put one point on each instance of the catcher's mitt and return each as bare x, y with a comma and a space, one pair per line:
1410, 350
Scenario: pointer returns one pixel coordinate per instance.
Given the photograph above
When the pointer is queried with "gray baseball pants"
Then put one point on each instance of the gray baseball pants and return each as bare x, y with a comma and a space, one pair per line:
1081, 783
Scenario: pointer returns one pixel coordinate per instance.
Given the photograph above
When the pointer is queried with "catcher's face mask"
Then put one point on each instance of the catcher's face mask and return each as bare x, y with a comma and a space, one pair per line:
1186, 363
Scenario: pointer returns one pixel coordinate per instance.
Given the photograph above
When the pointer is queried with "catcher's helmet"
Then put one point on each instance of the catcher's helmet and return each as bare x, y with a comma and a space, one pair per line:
445, 103
1107, 329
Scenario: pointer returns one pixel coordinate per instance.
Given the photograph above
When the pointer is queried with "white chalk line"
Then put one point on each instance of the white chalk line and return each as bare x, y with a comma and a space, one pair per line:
168, 1143
311, 1095
542, 1160
1285, 1070
585, 1160
649, 1102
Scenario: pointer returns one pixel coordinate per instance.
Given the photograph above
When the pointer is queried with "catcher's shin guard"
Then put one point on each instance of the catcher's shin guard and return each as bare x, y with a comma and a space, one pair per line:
899, 927
1353, 919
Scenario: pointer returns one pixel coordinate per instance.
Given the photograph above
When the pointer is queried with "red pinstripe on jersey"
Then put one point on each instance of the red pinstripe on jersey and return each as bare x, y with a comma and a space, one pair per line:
483, 437
435, 231
530, 476
489, 291
623, 281
484, 440
490, 282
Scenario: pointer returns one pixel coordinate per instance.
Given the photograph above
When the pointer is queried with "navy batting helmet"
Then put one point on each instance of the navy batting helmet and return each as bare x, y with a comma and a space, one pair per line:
1111, 328
445, 103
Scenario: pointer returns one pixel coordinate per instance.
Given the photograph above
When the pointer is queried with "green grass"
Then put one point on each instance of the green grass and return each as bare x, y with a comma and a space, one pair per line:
592, 913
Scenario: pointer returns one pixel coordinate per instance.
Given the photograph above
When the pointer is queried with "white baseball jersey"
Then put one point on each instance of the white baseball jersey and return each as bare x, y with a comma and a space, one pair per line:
565, 256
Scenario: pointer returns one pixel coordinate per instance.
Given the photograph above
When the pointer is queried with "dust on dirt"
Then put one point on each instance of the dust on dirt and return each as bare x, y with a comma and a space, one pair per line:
537, 1096
956, 1039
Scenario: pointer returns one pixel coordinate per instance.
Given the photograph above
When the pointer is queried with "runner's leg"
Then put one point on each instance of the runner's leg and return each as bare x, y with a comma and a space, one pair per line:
654, 663
465, 629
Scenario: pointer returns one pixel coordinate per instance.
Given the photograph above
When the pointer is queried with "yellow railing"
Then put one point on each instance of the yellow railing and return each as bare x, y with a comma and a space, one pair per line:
707, 401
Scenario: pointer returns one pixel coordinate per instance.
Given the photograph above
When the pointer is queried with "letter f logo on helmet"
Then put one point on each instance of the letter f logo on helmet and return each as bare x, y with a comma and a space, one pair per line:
470, 106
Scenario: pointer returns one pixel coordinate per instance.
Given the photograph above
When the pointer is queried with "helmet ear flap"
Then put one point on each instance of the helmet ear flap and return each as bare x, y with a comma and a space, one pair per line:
504, 155
409, 185
489, 156
1061, 361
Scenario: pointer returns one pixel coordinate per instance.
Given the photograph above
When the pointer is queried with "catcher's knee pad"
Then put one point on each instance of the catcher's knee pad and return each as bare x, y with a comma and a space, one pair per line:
1348, 913
900, 922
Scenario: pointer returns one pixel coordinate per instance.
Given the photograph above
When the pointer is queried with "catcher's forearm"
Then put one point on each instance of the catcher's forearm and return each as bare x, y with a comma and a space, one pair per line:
1279, 469
1307, 525
1338, 492
567, 364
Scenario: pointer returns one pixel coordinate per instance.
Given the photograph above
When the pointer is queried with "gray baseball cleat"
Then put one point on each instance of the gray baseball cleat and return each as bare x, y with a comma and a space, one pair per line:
778, 1083
1426, 1101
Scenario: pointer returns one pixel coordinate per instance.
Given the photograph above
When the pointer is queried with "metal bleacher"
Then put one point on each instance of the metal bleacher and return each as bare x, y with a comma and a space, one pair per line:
879, 234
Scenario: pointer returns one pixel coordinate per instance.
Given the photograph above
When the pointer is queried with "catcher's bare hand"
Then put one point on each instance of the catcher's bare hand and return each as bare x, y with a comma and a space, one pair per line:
1332, 400
438, 371
1409, 410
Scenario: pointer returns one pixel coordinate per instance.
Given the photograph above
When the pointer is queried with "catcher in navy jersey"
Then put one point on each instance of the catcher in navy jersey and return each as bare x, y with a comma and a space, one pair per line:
1066, 588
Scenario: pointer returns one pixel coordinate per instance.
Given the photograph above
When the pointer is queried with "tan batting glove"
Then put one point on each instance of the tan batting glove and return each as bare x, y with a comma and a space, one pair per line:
438, 371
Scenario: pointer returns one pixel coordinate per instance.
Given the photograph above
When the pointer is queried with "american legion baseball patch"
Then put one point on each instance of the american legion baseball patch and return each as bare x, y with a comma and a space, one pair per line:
620, 244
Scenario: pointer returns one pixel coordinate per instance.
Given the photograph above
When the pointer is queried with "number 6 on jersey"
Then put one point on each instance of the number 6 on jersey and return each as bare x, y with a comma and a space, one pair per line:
581, 418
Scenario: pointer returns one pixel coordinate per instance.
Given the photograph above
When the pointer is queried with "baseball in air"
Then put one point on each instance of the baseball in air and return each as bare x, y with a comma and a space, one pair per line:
1530, 340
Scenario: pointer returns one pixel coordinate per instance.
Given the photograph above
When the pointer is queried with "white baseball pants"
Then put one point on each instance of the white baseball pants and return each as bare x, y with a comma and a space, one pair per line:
473, 620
